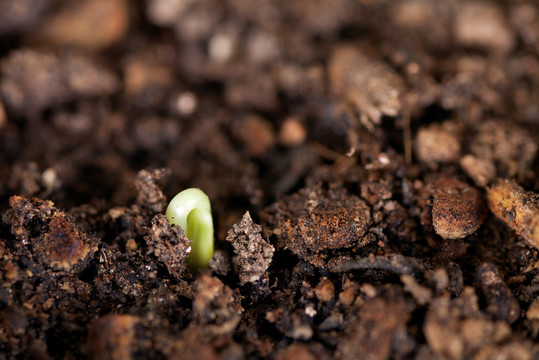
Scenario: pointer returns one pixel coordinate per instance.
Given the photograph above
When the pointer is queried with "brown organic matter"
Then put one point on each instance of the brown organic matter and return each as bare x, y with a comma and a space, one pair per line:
348, 148
169, 244
253, 254
457, 209
438, 144
112, 337
518, 208
315, 222
59, 244
364, 84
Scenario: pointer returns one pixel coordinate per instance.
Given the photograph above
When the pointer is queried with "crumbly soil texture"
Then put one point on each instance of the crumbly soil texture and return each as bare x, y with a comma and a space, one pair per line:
372, 168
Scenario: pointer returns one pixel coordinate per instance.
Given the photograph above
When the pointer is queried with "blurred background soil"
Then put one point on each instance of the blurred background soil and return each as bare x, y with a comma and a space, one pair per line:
386, 152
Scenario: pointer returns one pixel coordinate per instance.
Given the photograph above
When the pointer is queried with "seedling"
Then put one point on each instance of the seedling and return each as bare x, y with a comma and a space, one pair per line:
191, 210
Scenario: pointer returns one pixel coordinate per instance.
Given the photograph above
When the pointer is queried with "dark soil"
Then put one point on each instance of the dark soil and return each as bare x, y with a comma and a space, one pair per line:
372, 167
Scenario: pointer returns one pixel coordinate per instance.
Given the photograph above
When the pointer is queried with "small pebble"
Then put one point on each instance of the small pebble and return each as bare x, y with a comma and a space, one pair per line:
292, 132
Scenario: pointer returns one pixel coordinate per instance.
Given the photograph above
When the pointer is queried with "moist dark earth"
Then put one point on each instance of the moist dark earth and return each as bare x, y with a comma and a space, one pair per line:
372, 167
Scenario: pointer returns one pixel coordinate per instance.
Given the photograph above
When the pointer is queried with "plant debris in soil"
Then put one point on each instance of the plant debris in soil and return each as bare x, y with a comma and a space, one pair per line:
372, 167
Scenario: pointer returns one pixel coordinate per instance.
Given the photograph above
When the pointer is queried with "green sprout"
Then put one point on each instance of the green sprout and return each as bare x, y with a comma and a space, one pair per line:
191, 210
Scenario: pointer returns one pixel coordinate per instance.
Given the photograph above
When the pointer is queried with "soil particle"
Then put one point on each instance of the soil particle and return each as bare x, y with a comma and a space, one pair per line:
457, 209
256, 134
422, 294
216, 306
438, 143
59, 244
253, 254
302, 351
189, 346
322, 17
113, 337
27, 88
533, 311
315, 222
242, 93
375, 192
517, 208
514, 350
3, 116
149, 193
325, 290
169, 244
483, 25
348, 293
506, 146
220, 263
88, 24
295, 325
296, 351
501, 303
292, 132
303, 113
393, 263
373, 90
21, 15
26, 179
455, 329
148, 82
481, 170
372, 334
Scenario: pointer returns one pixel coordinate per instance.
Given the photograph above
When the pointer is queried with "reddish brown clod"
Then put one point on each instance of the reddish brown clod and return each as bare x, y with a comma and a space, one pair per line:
59, 243
457, 209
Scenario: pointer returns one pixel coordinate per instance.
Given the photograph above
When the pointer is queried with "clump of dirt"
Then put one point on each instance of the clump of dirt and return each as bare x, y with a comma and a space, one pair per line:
457, 209
372, 168
314, 223
253, 254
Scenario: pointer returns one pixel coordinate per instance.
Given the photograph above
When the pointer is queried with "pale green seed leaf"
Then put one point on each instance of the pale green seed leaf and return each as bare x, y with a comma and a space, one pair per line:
191, 210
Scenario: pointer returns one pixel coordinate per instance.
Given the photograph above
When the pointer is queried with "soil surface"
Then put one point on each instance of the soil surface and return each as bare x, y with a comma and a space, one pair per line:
372, 167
